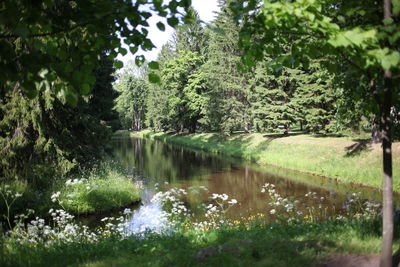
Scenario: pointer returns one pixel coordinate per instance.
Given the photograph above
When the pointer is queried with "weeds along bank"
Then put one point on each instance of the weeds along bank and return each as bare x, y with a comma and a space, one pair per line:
103, 187
341, 158
281, 236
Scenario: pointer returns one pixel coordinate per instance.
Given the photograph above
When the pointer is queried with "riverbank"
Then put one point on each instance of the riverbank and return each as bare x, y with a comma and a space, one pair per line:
104, 189
276, 244
101, 188
340, 158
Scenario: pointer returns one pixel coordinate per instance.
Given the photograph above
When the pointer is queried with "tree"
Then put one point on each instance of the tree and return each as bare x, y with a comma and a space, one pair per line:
102, 96
314, 98
191, 36
181, 88
43, 137
229, 106
131, 102
55, 45
273, 104
363, 34
177, 102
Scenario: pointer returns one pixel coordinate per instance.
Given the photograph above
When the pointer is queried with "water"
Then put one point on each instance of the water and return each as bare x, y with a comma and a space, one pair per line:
165, 166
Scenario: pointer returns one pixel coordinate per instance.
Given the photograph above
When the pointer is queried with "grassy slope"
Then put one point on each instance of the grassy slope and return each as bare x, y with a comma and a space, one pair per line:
269, 245
342, 158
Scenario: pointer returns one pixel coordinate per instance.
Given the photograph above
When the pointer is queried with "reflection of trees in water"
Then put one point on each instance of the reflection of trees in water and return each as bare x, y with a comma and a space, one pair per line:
162, 162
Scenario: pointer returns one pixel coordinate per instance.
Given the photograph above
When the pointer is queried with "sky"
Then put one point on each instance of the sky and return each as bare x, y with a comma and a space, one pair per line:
206, 10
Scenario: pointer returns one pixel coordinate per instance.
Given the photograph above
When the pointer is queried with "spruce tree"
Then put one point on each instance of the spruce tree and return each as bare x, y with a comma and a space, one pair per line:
229, 99
314, 99
43, 137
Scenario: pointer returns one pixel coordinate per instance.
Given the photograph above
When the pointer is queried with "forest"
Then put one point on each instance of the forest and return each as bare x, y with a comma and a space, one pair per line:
306, 86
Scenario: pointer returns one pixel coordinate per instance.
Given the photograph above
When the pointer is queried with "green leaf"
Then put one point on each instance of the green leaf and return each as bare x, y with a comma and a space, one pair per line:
122, 51
154, 65
172, 21
43, 73
390, 60
154, 78
31, 94
58, 87
396, 7
85, 89
339, 41
118, 64
44, 85
248, 60
139, 60
133, 49
160, 26
147, 45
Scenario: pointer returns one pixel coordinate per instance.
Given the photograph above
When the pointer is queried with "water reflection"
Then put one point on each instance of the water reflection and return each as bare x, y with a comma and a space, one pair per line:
149, 217
156, 163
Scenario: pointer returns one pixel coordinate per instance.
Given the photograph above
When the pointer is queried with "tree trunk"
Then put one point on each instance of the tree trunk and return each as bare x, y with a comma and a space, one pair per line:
246, 126
387, 233
376, 137
387, 227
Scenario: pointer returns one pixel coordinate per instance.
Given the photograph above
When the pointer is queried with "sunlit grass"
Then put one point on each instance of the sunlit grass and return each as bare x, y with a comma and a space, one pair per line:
99, 190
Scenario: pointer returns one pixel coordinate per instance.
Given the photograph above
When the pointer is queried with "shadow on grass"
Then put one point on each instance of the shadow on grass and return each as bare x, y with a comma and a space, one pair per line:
358, 147
282, 135
324, 135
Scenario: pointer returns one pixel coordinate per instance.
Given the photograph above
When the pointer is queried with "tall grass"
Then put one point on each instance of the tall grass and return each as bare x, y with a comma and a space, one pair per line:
294, 244
103, 188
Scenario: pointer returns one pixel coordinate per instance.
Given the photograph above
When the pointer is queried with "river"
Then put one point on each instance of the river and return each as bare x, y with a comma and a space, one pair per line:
160, 166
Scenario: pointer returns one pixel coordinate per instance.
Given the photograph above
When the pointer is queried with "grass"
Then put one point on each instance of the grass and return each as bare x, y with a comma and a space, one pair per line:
278, 244
342, 158
102, 195
102, 188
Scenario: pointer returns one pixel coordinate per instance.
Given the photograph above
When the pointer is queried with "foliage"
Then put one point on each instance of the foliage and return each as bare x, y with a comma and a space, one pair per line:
229, 98
269, 97
42, 137
65, 39
131, 102
367, 41
185, 86
102, 96
177, 102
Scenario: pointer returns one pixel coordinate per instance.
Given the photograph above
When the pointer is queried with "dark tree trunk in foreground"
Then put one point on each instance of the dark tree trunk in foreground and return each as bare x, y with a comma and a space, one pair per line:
387, 234
376, 136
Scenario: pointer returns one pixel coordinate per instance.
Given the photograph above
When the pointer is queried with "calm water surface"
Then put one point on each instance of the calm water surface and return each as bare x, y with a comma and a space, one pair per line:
156, 163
